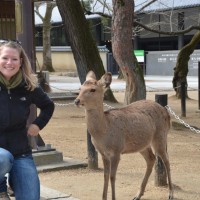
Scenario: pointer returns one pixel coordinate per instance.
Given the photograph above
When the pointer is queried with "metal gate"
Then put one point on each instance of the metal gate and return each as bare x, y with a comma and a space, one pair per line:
7, 19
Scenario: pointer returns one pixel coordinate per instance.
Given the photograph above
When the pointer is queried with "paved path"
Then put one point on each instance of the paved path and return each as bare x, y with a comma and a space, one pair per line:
47, 194
64, 83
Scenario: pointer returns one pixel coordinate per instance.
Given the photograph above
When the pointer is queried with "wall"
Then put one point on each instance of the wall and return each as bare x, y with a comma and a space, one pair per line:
163, 62
63, 60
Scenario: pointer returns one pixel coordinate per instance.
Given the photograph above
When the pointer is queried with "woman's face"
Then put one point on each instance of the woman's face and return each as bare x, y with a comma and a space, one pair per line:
10, 62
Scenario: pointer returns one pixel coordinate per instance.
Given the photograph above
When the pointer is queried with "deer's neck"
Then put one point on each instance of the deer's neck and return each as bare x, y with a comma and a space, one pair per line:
96, 122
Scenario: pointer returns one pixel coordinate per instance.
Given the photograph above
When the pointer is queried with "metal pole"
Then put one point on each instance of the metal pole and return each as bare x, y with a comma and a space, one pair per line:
199, 83
160, 172
92, 153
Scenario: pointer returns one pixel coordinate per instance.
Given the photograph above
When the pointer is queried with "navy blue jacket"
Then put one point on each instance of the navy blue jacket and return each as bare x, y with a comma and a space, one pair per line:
14, 112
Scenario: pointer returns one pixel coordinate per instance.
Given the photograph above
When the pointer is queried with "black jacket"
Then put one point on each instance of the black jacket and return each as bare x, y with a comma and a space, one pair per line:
14, 112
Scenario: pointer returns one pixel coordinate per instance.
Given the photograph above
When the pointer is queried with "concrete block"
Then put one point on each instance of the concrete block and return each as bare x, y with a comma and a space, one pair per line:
47, 157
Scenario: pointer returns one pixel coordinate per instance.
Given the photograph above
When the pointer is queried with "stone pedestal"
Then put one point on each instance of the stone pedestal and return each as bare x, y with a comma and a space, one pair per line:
49, 159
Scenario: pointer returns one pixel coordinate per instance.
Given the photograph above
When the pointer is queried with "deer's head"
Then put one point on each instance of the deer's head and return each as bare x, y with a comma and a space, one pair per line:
92, 91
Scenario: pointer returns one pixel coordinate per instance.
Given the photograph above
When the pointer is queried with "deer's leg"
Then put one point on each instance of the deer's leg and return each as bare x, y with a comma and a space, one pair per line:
150, 160
106, 164
164, 156
114, 164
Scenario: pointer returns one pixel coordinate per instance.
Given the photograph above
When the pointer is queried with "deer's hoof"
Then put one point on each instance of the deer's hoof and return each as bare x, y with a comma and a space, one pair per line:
171, 198
136, 198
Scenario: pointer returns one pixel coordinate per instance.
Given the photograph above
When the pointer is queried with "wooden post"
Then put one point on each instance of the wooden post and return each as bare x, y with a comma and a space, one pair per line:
160, 172
92, 154
183, 100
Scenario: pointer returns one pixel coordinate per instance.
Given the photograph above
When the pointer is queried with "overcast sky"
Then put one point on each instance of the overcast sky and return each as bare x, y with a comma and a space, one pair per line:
159, 4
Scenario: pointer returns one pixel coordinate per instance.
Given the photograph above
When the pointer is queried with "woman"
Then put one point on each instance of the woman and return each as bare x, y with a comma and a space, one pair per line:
19, 90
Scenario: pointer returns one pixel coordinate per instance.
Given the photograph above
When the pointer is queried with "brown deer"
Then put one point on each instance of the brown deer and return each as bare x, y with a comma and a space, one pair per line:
138, 127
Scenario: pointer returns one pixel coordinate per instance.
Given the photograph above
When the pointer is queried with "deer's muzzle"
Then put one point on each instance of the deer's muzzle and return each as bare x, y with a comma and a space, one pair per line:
77, 102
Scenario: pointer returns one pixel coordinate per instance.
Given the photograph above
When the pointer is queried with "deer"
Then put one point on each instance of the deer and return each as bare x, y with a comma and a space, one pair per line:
141, 126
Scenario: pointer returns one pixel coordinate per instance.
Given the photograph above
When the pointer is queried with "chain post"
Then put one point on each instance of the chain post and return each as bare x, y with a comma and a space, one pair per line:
160, 172
183, 100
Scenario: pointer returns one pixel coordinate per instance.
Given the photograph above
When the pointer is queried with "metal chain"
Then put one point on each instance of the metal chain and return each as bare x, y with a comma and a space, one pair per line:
180, 120
167, 107
172, 113
63, 104
69, 104
149, 89
70, 91
108, 106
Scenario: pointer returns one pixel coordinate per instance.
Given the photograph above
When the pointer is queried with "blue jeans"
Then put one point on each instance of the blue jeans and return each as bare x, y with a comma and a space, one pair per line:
23, 176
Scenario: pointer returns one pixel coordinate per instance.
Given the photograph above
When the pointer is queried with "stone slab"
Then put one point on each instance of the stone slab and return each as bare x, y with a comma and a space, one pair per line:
68, 163
47, 193
47, 157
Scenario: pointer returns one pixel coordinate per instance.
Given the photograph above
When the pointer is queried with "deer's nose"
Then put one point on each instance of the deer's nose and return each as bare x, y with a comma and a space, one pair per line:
77, 101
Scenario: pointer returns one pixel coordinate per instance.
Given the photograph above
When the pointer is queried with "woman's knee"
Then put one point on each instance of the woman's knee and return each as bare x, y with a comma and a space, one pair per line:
6, 161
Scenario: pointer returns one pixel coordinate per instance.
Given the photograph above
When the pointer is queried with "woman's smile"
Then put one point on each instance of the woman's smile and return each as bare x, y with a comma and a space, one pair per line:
10, 62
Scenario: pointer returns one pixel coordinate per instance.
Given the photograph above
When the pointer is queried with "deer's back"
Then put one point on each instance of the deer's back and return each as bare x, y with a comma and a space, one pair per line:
139, 124
140, 110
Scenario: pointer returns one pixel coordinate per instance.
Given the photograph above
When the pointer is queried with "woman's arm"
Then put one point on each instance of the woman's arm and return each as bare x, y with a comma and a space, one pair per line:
46, 106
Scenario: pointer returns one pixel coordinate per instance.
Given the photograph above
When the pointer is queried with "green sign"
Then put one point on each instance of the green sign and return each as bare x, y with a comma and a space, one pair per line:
139, 55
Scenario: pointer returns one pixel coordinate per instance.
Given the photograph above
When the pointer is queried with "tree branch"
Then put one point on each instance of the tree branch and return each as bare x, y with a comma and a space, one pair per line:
190, 28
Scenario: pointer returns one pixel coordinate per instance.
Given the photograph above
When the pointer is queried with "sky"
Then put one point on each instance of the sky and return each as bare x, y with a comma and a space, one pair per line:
159, 4
56, 15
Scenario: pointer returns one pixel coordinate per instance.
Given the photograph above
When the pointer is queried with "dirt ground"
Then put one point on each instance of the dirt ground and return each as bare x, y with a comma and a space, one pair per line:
67, 133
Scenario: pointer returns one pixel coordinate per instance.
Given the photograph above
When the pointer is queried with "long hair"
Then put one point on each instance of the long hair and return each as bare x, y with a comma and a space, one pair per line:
28, 75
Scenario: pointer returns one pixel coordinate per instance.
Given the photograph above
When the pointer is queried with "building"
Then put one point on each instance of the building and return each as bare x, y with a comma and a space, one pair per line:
160, 16
62, 56
161, 50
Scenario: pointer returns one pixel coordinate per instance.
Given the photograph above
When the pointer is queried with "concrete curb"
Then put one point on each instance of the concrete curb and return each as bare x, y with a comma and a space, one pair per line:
67, 163
50, 194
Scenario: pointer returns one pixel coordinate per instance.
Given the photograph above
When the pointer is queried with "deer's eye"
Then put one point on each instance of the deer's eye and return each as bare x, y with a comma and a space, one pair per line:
92, 90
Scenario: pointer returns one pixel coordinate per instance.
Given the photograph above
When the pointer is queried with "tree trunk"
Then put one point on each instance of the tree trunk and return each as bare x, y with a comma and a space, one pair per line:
122, 45
47, 58
83, 46
85, 53
181, 68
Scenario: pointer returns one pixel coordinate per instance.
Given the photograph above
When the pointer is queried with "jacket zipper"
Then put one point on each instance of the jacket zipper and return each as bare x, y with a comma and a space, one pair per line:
9, 94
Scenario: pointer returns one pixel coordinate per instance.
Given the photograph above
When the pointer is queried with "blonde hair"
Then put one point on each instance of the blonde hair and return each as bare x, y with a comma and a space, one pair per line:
27, 72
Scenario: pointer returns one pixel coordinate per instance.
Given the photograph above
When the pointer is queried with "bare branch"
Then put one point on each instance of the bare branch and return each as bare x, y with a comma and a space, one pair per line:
36, 10
190, 28
146, 5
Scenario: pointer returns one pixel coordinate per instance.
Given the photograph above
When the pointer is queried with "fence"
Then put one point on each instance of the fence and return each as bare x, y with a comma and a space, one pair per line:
149, 89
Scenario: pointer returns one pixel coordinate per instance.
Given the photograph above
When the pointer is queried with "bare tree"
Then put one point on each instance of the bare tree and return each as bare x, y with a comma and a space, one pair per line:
181, 69
85, 53
122, 45
83, 46
169, 22
173, 21
46, 30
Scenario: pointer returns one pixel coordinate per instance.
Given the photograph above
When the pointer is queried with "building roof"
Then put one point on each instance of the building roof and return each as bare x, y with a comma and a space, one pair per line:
165, 4
56, 15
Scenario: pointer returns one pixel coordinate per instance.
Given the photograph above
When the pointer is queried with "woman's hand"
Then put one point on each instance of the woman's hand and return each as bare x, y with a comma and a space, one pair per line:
33, 130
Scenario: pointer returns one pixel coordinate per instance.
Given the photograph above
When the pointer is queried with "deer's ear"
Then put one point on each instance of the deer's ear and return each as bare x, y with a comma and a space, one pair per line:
90, 75
106, 79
